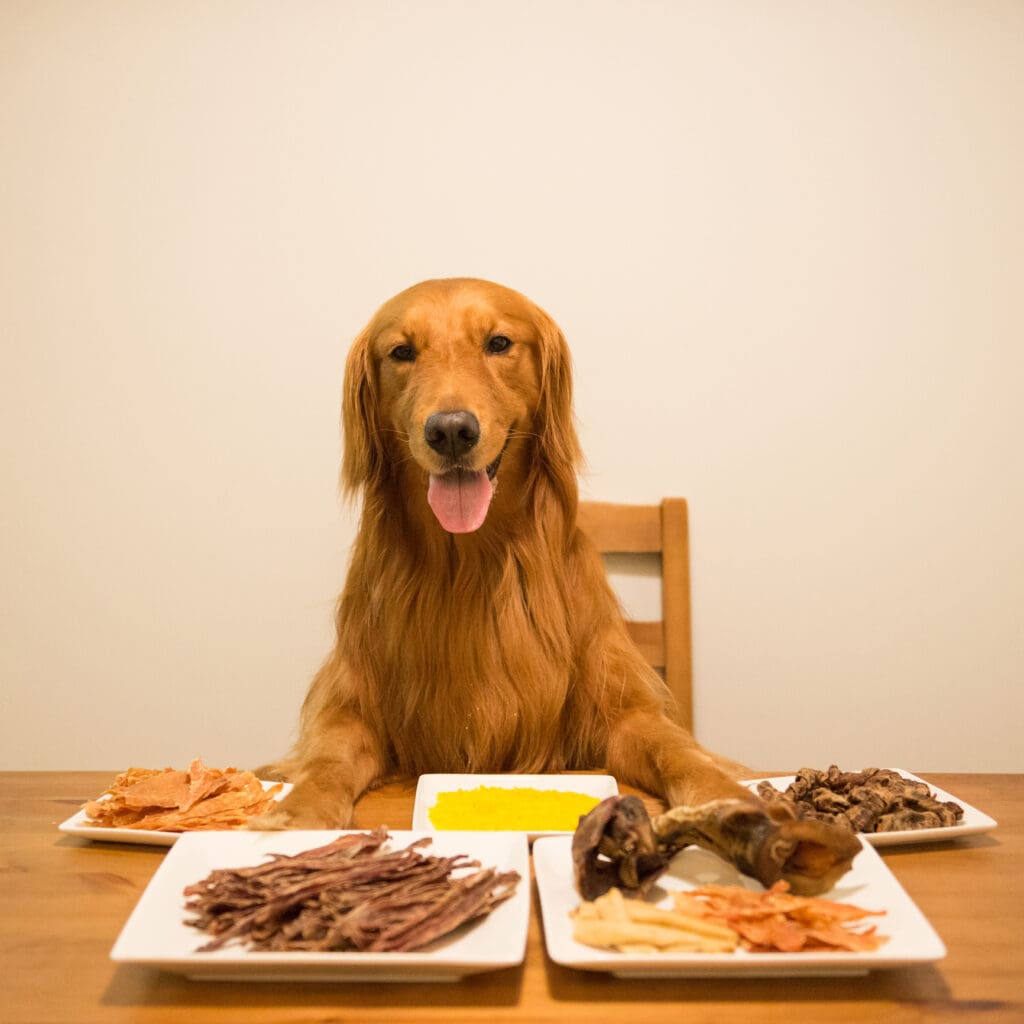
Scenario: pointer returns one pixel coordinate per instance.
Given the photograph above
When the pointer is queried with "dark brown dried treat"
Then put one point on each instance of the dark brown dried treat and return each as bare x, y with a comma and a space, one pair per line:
872, 800
614, 846
805, 782
906, 819
842, 819
828, 802
347, 895
949, 812
770, 795
617, 845
867, 806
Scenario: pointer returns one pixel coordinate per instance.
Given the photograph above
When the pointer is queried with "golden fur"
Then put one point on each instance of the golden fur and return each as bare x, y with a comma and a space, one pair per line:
497, 650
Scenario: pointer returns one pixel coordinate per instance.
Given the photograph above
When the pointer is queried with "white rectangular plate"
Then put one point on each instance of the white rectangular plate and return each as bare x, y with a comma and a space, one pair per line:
868, 884
971, 824
78, 825
156, 935
429, 787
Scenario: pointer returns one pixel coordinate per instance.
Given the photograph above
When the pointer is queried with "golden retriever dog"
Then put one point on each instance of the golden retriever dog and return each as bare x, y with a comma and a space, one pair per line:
477, 630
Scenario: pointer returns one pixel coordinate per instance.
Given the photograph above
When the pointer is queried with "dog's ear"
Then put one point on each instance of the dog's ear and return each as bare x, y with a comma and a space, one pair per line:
559, 446
363, 459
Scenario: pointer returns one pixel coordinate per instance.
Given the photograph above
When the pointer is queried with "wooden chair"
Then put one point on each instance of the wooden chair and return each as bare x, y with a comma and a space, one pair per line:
663, 530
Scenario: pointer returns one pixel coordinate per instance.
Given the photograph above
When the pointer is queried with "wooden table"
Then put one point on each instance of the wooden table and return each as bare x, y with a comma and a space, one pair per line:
64, 900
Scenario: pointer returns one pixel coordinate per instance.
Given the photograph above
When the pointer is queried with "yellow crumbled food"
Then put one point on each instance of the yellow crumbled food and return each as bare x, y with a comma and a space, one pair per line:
522, 809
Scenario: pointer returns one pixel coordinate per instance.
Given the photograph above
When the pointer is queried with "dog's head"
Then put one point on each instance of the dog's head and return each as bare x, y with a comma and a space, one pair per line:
459, 380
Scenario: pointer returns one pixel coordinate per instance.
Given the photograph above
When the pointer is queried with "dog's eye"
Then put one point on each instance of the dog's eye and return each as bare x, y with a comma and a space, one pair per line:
403, 353
498, 343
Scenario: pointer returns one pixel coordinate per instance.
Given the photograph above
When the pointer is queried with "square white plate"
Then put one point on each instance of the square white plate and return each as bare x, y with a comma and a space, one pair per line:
156, 935
971, 823
78, 825
868, 884
429, 787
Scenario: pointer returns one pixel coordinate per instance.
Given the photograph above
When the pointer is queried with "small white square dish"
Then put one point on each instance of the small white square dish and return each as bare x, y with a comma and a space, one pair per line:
972, 823
430, 787
78, 825
869, 884
156, 934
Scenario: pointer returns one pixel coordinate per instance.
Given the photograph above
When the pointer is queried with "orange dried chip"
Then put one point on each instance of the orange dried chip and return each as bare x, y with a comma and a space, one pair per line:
203, 782
168, 800
166, 789
778, 920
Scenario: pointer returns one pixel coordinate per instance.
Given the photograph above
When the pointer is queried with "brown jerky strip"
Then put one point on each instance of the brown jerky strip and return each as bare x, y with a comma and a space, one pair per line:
347, 895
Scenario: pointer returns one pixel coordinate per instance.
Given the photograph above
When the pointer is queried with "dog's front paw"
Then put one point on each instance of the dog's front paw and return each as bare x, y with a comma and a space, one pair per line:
276, 771
275, 820
305, 807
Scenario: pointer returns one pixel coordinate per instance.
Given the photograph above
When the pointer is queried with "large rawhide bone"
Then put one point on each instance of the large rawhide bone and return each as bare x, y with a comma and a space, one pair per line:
618, 845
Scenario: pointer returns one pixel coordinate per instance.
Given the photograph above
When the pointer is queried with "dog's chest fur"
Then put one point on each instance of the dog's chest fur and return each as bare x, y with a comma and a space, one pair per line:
481, 683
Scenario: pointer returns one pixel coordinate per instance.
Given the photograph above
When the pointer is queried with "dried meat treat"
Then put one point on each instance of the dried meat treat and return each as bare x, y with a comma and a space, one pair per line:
168, 800
778, 920
770, 795
872, 800
829, 802
618, 845
614, 846
810, 855
350, 894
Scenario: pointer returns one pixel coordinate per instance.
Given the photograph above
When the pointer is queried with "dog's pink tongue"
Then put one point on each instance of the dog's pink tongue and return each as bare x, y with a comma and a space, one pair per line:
460, 499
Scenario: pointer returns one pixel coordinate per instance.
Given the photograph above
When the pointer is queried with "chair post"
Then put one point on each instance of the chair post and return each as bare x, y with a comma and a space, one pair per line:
675, 534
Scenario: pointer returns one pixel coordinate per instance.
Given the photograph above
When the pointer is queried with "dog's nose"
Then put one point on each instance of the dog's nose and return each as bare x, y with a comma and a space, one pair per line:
452, 433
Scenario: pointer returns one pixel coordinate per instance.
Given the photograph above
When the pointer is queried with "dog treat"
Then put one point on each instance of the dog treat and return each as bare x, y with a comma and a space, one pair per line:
633, 926
718, 918
167, 800
873, 800
618, 845
348, 895
777, 920
523, 809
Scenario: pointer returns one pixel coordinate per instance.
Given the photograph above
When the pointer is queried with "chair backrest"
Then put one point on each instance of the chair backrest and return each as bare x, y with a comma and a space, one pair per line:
663, 530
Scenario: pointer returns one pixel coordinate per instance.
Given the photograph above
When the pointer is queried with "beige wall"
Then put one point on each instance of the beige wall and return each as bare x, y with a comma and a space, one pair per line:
784, 240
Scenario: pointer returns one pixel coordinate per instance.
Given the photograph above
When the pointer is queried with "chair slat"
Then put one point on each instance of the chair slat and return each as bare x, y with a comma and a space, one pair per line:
655, 529
650, 638
617, 529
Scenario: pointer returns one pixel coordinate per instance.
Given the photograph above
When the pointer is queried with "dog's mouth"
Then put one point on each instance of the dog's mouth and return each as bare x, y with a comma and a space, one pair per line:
492, 469
460, 497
